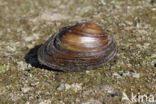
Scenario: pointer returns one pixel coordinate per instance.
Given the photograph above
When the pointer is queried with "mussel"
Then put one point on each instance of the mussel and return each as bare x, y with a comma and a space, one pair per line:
83, 46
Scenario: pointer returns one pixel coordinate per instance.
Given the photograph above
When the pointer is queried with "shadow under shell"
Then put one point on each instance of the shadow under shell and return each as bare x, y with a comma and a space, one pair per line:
31, 58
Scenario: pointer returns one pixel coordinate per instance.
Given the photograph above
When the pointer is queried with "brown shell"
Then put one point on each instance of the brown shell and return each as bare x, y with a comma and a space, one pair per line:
80, 47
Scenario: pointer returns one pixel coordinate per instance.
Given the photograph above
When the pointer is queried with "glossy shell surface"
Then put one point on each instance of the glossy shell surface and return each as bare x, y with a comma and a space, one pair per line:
80, 47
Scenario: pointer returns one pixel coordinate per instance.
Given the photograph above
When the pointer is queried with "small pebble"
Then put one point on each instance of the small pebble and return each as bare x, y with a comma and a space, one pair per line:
115, 74
34, 84
87, 71
15, 98
75, 86
114, 95
92, 101
27, 102
136, 75
106, 88
21, 65
45, 102
126, 74
28, 39
61, 87
25, 89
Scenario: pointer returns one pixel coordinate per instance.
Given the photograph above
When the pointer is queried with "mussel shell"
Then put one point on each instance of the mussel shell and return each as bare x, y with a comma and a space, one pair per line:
80, 47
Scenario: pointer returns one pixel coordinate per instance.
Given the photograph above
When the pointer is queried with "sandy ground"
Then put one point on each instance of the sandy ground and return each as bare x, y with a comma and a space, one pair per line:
25, 25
